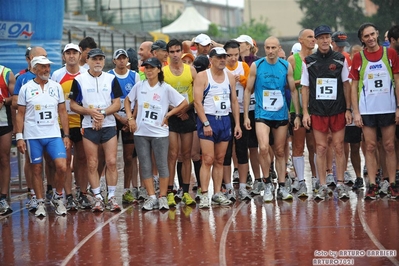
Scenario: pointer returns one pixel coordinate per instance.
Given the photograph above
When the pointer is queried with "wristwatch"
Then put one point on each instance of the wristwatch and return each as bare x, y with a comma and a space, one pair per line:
103, 113
206, 123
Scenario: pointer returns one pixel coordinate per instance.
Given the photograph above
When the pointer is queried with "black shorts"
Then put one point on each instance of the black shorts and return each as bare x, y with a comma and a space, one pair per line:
183, 126
99, 136
127, 137
75, 134
5, 130
272, 124
379, 120
353, 134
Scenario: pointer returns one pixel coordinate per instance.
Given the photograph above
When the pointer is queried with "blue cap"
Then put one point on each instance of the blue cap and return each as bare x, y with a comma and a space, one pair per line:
323, 29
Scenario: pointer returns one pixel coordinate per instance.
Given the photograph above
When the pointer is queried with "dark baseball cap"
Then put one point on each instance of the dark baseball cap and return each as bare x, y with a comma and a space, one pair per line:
217, 51
95, 52
201, 63
323, 29
159, 44
340, 37
153, 61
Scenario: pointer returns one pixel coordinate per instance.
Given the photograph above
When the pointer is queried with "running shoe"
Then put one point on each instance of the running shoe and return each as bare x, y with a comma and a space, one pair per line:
59, 206
244, 194
257, 187
230, 194
268, 194
348, 178
295, 185
249, 181
372, 192
41, 209
179, 194
143, 195
342, 191
32, 204
322, 193
187, 199
84, 202
220, 199
128, 197
163, 203
288, 184
151, 204
71, 204
204, 201
384, 186
135, 193
358, 183
393, 191
330, 180
98, 205
303, 190
283, 193
113, 205
49, 196
171, 200
4, 207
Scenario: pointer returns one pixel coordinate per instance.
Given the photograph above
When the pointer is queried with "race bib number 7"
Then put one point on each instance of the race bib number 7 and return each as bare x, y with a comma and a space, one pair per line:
272, 100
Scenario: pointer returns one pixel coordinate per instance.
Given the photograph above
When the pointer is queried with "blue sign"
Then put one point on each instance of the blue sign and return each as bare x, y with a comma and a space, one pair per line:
15, 30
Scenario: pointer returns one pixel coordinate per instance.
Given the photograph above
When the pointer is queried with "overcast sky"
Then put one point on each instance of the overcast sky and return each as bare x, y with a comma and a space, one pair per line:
239, 3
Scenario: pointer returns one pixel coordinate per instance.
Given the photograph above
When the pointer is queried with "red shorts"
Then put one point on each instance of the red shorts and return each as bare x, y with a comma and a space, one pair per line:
323, 123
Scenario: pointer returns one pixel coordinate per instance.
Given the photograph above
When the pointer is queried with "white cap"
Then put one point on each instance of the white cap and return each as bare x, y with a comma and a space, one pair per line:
296, 48
42, 60
72, 46
245, 38
120, 52
202, 39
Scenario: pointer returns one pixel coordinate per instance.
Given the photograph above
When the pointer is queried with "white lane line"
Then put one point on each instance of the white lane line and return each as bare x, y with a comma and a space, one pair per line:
81, 243
223, 238
368, 231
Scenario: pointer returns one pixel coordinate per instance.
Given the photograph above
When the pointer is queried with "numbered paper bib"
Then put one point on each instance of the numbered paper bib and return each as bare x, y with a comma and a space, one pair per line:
272, 100
45, 114
378, 83
152, 114
326, 89
222, 104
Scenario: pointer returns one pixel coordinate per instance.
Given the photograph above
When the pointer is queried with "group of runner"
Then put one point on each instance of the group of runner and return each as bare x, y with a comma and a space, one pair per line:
219, 105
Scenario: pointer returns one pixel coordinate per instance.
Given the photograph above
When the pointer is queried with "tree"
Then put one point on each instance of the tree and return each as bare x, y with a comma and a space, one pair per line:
387, 14
213, 30
338, 14
166, 20
258, 30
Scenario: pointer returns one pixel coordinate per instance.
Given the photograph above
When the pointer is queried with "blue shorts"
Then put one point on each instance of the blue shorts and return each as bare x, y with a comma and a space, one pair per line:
54, 147
221, 128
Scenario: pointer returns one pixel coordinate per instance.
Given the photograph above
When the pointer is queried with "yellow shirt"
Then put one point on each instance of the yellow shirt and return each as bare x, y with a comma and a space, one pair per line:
183, 83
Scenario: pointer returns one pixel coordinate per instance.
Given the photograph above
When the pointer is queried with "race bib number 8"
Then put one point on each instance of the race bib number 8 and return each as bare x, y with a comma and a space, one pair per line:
272, 100
326, 89
45, 114
378, 83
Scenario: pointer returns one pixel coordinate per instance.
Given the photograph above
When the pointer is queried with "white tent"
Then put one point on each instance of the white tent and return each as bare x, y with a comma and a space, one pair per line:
190, 21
